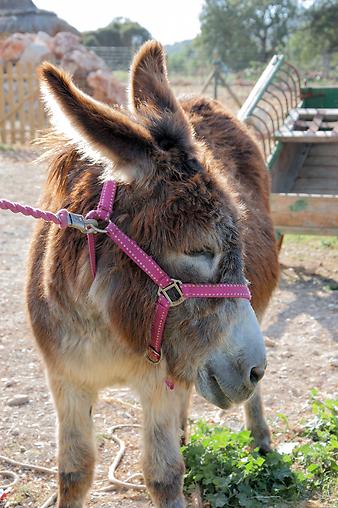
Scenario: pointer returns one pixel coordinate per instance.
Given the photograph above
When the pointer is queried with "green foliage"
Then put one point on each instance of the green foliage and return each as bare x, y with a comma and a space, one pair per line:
242, 32
184, 58
322, 24
317, 242
230, 473
314, 46
303, 50
325, 422
6, 148
120, 32
319, 455
221, 462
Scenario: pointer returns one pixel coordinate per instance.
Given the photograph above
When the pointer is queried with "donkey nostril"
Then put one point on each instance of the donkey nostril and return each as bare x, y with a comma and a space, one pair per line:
256, 374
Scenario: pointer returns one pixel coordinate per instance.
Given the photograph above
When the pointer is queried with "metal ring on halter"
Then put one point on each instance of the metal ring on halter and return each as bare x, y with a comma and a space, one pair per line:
92, 228
178, 294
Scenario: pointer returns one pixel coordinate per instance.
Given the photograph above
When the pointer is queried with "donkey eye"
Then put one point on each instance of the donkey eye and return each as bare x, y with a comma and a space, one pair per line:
201, 253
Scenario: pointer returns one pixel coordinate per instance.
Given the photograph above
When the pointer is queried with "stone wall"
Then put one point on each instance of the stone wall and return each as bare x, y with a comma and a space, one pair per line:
65, 49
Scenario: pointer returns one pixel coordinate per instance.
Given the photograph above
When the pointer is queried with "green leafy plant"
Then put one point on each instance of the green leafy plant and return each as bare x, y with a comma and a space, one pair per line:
318, 456
230, 473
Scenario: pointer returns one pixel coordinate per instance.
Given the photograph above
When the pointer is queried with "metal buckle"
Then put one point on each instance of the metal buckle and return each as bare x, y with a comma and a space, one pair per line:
152, 355
87, 226
175, 285
92, 227
77, 221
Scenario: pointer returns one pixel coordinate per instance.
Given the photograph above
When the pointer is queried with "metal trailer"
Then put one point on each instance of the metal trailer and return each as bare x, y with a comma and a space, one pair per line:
297, 128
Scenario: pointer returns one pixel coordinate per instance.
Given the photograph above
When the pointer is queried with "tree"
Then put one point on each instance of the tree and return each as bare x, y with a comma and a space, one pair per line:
241, 32
322, 18
314, 46
120, 32
184, 57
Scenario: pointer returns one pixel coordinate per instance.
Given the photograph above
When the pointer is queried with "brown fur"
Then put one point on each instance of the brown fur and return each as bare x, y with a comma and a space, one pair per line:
192, 179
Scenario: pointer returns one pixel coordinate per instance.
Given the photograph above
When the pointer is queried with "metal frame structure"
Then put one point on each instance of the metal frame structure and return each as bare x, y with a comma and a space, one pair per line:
275, 94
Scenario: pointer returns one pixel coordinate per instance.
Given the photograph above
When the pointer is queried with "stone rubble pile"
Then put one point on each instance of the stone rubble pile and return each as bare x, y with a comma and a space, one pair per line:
66, 50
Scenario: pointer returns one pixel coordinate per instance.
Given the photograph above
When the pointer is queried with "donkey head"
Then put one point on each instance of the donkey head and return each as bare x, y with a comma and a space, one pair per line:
175, 202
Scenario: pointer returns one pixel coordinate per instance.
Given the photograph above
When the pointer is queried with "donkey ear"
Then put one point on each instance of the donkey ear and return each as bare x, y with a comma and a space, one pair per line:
149, 84
151, 96
98, 130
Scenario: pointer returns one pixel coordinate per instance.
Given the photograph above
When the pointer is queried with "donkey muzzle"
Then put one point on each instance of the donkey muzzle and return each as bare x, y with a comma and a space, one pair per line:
230, 374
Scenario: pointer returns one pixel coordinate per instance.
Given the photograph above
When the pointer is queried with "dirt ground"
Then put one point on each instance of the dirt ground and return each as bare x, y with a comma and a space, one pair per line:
301, 327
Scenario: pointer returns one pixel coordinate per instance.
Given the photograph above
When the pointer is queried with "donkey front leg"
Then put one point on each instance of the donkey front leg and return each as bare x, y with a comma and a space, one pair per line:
163, 465
76, 453
185, 396
255, 421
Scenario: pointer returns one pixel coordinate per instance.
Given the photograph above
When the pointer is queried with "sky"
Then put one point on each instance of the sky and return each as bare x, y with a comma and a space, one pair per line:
168, 21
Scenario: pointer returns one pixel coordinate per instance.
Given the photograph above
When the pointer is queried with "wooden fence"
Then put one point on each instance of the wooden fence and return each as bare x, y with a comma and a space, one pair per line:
21, 109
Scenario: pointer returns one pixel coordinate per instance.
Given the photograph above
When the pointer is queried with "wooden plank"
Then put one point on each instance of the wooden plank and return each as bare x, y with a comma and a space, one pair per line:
322, 160
2, 106
333, 180
286, 168
11, 102
41, 115
309, 113
286, 136
324, 149
311, 190
31, 100
21, 101
323, 172
305, 212
291, 120
305, 124
316, 185
315, 124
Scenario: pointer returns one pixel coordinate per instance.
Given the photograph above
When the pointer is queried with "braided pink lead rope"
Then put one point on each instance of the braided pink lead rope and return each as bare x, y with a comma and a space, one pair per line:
29, 211
62, 218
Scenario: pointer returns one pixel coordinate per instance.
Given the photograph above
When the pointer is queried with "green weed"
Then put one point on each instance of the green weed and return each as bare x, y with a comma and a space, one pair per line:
321, 242
230, 473
5, 148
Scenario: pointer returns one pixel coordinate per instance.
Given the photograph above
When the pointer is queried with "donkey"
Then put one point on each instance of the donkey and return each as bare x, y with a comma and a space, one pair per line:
193, 193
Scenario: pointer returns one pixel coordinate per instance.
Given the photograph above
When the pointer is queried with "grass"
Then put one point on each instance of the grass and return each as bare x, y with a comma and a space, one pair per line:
5, 148
325, 242
229, 473
121, 76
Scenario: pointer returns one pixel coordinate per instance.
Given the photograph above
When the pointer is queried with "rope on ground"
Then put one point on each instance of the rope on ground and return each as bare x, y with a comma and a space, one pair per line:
50, 501
7, 487
9, 474
125, 484
23, 465
111, 400
116, 483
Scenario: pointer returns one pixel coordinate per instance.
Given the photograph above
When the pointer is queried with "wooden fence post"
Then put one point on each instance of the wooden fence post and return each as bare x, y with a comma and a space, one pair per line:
21, 102
21, 110
10, 101
2, 106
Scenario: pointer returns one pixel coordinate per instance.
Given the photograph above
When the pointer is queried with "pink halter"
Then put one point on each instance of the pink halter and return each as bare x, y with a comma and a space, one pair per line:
171, 292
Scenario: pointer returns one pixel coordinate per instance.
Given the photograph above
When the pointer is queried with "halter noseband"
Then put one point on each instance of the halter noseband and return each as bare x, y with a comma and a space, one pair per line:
171, 292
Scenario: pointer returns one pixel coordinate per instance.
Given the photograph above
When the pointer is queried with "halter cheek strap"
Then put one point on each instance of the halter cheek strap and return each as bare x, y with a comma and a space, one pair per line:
171, 292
